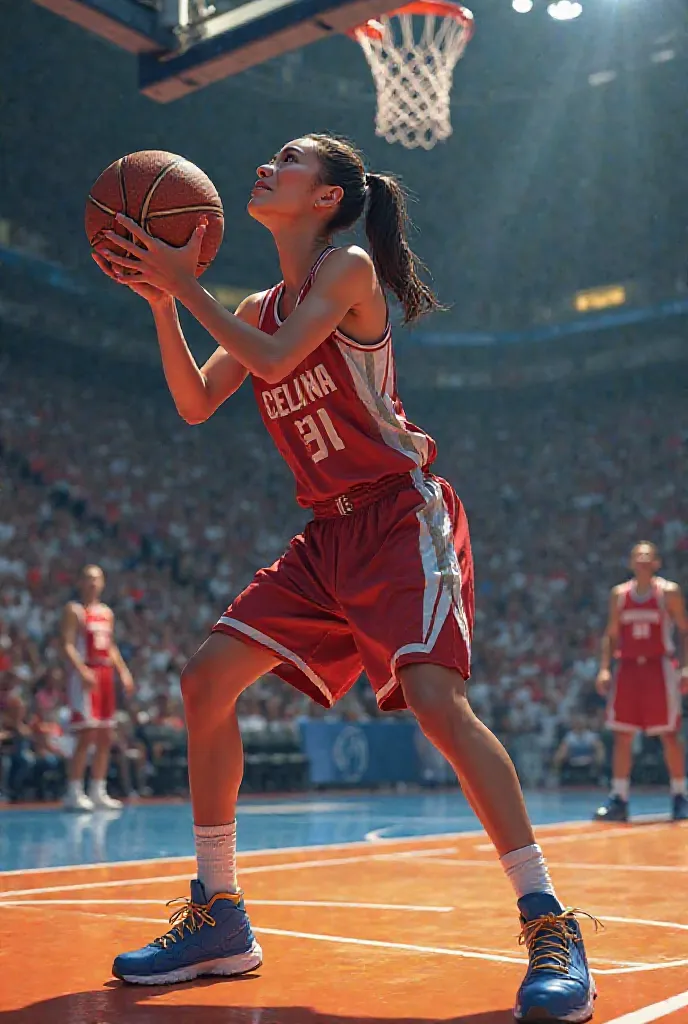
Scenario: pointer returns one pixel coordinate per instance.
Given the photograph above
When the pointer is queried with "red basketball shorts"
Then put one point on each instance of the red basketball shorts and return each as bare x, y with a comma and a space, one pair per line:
646, 696
388, 585
93, 708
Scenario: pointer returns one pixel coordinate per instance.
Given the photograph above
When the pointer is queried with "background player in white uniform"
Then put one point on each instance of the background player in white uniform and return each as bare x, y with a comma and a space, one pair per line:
88, 643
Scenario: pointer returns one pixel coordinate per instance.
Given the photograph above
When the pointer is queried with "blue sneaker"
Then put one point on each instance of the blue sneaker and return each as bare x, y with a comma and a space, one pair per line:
207, 937
615, 809
558, 985
679, 808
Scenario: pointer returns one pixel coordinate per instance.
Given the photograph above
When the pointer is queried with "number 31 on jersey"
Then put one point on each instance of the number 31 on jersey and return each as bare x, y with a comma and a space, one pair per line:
311, 434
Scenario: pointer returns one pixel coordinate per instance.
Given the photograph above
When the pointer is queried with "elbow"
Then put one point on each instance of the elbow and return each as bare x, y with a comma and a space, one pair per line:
194, 416
193, 420
273, 372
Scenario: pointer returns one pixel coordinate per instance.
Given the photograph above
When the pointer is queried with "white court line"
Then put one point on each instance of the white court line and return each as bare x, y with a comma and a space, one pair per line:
255, 869
347, 940
655, 1011
428, 858
641, 920
599, 833
251, 903
466, 954
352, 845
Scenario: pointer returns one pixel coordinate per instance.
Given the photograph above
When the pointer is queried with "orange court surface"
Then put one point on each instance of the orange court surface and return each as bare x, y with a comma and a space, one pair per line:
411, 931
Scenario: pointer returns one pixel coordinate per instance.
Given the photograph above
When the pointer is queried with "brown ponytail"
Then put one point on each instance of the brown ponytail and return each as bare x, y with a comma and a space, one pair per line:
386, 222
397, 266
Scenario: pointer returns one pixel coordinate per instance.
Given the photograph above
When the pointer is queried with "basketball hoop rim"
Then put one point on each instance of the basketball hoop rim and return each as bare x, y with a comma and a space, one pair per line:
439, 8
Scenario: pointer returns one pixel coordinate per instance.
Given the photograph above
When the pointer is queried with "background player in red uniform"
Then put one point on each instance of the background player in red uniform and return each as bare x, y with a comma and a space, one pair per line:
645, 692
381, 578
88, 643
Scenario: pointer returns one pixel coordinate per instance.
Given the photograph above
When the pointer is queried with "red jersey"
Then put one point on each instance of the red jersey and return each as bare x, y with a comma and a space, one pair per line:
94, 638
336, 418
645, 626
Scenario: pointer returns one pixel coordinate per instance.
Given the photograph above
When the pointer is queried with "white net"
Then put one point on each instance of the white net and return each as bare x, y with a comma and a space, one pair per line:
412, 53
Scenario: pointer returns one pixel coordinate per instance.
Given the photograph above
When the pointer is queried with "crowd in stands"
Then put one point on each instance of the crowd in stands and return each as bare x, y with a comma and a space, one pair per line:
558, 485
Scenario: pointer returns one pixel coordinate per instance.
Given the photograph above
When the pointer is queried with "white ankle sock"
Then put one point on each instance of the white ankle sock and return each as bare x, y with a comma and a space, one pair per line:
527, 871
76, 787
97, 788
679, 787
621, 787
216, 857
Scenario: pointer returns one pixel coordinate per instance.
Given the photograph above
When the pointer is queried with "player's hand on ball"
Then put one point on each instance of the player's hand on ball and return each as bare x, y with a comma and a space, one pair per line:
150, 261
603, 682
146, 291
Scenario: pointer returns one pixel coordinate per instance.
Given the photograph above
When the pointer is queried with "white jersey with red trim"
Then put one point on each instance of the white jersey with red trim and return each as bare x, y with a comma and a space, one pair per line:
645, 626
95, 633
336, 418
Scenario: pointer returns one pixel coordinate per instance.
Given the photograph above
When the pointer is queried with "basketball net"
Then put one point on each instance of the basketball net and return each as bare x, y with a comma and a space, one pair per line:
412, 52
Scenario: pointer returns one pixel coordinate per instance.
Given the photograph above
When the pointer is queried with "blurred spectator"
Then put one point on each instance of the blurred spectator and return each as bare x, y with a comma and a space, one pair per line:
581, 755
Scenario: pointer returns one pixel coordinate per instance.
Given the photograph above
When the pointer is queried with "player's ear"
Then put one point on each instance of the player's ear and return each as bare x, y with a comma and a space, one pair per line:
329, 197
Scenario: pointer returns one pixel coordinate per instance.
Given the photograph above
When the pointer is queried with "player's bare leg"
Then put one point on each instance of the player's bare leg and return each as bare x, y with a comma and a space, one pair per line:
558, 984
218, 673
616, 807
437, 697
76, 799
211, 684
675, 759
97, 791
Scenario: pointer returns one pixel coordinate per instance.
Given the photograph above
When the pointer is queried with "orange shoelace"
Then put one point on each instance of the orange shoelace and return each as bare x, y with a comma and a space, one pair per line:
547, 939
189, 916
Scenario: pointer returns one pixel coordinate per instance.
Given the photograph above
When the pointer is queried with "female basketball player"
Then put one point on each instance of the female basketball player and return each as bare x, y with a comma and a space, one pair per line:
382, 577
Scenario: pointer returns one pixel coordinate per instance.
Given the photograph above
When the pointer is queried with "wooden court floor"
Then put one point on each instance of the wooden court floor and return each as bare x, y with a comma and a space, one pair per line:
409, 931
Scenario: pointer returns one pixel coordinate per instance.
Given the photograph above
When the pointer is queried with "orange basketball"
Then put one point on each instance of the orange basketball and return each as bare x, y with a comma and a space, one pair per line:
164, 193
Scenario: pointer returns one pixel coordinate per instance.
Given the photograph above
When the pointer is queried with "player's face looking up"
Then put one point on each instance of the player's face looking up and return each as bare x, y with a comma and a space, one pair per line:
317, 176
290, 185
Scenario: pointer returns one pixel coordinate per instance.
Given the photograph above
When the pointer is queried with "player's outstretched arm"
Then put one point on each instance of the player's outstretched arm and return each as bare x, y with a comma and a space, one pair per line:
609, 639
345, 281
198, 392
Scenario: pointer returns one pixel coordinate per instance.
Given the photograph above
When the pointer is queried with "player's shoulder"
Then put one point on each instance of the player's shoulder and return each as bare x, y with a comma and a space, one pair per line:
350, 263
620, 589
249, 308
73, 608
667, 586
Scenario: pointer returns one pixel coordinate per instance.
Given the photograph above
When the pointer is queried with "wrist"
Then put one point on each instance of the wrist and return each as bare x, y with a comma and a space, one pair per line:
187, 289
162, 303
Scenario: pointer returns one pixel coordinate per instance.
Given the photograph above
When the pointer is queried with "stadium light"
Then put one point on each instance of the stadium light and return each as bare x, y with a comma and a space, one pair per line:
522, 6
564, 10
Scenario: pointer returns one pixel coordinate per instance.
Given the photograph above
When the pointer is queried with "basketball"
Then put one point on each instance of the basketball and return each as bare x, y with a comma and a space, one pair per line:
164, 193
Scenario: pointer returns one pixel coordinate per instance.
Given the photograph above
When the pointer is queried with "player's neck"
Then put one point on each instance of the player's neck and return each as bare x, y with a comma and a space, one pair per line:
298, 250
643, 587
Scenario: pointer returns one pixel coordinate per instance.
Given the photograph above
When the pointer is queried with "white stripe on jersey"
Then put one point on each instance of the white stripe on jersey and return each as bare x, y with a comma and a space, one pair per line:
370, 370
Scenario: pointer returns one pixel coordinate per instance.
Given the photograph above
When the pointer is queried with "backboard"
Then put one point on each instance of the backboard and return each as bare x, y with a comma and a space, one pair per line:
184, 45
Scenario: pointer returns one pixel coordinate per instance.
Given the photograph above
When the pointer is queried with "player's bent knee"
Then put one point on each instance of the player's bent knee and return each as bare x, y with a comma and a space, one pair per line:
221, 669
436, 695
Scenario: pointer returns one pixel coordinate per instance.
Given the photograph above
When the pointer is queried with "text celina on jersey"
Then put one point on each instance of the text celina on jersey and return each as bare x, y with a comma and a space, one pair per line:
94, 639
645, 625
336, 418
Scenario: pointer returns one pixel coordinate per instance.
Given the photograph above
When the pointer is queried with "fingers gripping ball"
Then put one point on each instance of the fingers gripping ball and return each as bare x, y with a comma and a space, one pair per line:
164, 193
